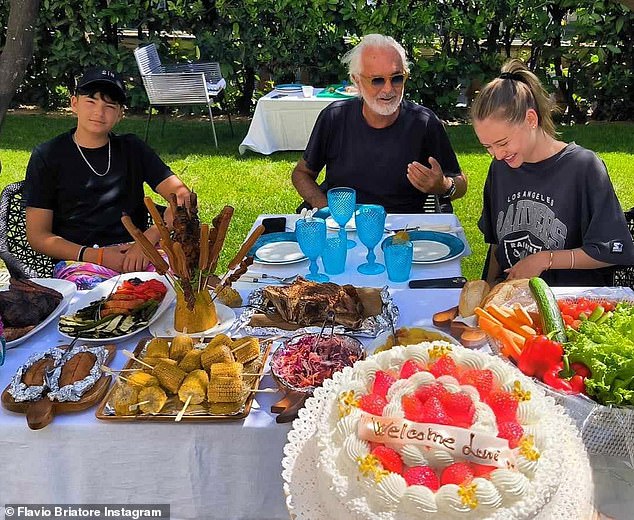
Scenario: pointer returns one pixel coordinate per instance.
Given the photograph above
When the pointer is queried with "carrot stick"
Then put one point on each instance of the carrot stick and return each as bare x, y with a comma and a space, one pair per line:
482, 314
510, 321
522, 315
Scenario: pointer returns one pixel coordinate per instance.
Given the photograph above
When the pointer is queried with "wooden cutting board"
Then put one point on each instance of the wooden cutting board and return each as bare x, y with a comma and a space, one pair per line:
41, 412
471, 337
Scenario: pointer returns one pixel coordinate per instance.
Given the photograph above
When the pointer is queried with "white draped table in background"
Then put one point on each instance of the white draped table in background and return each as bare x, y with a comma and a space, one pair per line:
283, 123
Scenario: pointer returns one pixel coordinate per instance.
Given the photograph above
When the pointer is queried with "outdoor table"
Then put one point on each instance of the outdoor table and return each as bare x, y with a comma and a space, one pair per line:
356, 256
221, 470
283, 122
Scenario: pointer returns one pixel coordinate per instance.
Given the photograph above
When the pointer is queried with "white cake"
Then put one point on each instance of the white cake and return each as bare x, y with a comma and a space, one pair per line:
522, 481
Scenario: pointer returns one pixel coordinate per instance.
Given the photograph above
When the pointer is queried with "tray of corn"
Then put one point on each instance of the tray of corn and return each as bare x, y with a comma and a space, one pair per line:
169, 379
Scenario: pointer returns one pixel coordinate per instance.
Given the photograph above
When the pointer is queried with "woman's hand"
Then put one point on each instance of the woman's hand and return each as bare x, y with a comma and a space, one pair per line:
532, 265
134, 259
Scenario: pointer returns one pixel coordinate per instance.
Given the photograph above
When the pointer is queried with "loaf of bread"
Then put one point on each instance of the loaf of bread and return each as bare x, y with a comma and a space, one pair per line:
77, 368
34, 375
471, 297
510, 292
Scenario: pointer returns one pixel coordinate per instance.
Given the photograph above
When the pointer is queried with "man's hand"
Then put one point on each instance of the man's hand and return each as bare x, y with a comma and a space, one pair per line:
134, 259
113, 256
428, 180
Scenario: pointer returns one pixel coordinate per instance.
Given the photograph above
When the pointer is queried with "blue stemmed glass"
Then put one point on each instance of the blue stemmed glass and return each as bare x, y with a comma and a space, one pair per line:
370, 219
341, 203
311, 236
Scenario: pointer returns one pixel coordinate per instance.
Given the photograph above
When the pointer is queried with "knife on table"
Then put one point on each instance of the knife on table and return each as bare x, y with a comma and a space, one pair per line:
454, 282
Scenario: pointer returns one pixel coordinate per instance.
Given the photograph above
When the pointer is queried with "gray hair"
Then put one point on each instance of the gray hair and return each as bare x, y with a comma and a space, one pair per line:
352, 58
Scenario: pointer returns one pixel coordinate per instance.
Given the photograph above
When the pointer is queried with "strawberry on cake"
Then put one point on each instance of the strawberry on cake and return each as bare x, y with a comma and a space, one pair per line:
439, 431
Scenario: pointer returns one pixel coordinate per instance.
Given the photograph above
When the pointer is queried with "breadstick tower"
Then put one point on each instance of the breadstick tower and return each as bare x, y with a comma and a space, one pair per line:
193, 250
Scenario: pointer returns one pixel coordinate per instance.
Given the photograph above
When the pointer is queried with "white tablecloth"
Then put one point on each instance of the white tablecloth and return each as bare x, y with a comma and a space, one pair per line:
283, 123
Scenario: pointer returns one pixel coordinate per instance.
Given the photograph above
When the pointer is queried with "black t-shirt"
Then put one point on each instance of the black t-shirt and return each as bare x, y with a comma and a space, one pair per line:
374, 161
87, 207
564, 202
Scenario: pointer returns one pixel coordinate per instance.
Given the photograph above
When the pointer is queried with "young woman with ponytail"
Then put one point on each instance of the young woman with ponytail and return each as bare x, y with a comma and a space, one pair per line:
550, 209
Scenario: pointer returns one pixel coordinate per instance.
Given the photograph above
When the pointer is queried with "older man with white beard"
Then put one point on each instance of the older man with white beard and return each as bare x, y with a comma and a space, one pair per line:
393, 152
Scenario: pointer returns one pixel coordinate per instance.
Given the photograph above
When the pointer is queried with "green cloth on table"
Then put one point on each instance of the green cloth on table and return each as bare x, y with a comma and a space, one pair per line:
326, 93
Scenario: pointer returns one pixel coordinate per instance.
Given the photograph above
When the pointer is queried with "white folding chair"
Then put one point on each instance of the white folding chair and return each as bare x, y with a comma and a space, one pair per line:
181, 84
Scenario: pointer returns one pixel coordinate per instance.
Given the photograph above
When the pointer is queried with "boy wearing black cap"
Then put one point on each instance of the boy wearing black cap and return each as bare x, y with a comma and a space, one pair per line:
79, 183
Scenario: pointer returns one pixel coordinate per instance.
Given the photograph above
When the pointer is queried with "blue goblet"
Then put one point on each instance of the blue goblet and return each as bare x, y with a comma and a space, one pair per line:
341, 203
370, 219
311, 236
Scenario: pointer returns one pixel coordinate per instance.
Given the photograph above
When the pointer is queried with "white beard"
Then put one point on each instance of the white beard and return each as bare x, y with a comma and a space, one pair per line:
382, 108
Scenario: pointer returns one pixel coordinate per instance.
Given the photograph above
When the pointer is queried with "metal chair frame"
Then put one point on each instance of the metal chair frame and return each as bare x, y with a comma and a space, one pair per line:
180, 84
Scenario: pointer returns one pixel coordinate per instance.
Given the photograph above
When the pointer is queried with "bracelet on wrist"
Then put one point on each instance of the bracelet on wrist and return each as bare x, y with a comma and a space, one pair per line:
100, 256
550, 261
572, 259
80, 255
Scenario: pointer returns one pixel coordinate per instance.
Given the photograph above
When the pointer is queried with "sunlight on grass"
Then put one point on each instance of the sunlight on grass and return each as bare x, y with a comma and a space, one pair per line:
255, 184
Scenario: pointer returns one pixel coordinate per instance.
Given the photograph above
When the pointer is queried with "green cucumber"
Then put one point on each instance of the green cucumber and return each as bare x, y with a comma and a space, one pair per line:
548, 309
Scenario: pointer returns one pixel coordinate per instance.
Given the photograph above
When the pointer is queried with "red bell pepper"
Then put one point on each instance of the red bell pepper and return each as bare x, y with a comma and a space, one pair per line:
538, 355
568, 378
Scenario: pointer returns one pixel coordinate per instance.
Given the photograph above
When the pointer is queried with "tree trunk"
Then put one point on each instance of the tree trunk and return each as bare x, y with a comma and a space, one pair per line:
244, 102
18, 49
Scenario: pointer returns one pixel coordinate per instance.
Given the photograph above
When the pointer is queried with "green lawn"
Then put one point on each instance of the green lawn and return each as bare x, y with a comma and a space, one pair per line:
256, 184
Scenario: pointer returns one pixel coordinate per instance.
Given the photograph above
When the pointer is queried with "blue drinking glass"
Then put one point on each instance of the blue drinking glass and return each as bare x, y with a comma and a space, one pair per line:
398, 258
334, 255
311, 236
341, 203
370, 219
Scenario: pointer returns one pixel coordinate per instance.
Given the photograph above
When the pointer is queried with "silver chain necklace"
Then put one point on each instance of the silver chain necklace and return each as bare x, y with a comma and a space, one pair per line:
90, 165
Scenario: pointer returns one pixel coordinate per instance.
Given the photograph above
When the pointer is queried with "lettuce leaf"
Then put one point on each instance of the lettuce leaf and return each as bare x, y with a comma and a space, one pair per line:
608, 351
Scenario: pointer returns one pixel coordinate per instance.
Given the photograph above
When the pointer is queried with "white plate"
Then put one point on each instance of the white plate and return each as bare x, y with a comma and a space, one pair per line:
286, 252
106, 288
351, 225
164, 327
427, 251
67, 290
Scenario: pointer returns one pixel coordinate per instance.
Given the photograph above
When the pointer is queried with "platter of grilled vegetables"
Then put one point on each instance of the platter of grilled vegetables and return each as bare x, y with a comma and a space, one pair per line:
117, 308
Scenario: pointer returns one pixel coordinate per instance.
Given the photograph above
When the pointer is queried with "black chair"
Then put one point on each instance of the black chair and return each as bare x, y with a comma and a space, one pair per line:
15, 251
623, 275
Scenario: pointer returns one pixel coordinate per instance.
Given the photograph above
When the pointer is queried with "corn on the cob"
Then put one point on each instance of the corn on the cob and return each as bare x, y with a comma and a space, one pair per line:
122, 397
230, 297
218, 353
191, 361
169, 376
153, 361
226, 390
220, 339
232, 369
246, 349
181, 345
142, 379
157, 347
194, 386
156, 398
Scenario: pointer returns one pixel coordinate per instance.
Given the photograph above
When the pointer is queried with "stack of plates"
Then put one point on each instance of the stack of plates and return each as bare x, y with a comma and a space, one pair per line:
288, 88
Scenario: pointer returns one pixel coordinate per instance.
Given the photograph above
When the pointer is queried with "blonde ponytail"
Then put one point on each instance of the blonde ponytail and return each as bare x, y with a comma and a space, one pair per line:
509, 96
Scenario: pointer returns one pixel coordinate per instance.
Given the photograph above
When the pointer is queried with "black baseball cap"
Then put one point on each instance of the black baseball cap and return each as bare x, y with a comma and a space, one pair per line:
104, 80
